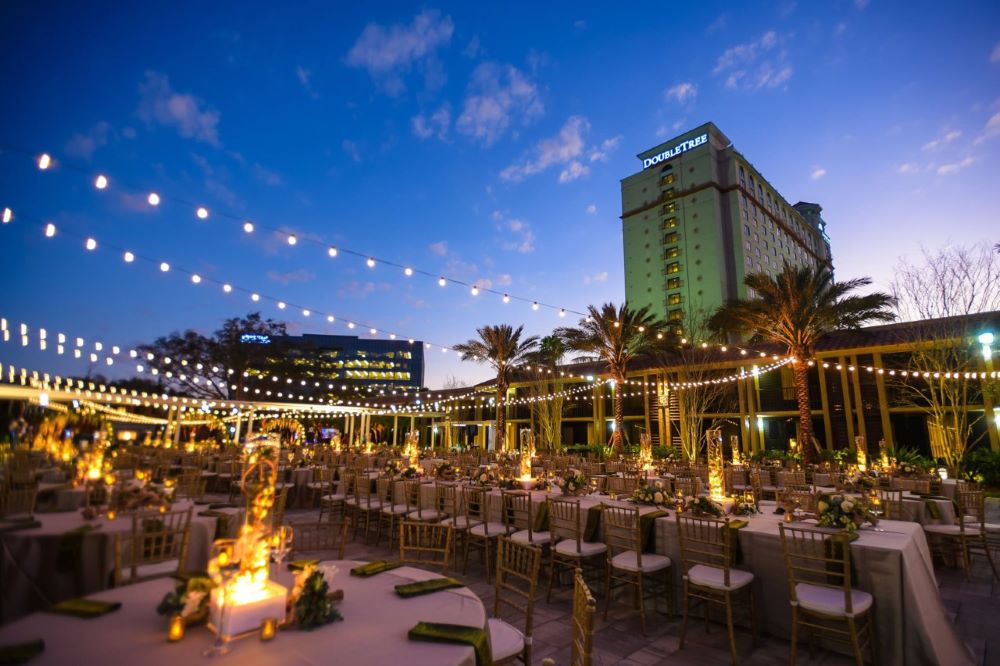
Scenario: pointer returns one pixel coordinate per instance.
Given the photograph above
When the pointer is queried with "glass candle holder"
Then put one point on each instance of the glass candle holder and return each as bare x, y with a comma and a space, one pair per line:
268, 628
176, 630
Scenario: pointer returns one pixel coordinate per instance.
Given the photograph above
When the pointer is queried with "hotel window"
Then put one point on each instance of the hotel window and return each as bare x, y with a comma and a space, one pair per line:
670, 207
674, 299
670, 223
746, 228
675, 267
668, 179
672, 237
672, 252
675, 315
669, 193
673, 283
743, 177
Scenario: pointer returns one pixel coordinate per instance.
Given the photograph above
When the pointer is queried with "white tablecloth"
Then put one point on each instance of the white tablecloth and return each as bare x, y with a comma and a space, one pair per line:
374, 629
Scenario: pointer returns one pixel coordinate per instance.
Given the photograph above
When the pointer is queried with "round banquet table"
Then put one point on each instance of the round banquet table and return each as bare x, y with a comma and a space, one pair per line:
373, 631
42, 557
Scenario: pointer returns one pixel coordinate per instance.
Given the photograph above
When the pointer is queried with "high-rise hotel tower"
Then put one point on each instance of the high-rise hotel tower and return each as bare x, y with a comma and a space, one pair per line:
698, 217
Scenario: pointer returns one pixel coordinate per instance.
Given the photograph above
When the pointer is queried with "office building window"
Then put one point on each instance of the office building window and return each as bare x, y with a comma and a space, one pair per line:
673, 252
669, 193
669, 207
672, 237
673, 283
674, 299
675, 315
670, 223
746, 228
674, 267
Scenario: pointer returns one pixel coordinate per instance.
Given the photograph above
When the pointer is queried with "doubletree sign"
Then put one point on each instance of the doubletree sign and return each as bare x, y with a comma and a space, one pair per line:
255, 339
681, 147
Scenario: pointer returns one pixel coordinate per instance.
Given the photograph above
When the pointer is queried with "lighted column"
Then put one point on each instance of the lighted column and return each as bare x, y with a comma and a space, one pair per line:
716, 464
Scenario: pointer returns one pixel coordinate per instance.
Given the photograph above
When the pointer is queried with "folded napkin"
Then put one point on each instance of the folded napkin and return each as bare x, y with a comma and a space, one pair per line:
407, 590
85, 608
222, 505
647, 523
436, 632
737, 524
593, 517
299, 565
735, 551
21, 653
541, 518
376, 567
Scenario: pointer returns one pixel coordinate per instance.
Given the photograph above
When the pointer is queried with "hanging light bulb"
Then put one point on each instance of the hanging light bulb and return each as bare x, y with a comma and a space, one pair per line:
91, 244
332, 251
442, 282
196, 278
164, 266
292, 240
350, 324
44, 161
254, 297
306, 313
227, 287
506, 298
562, 312
534, 306
475, 290
50, 230
248, 227
407, 271
101, 181
153, 199
202, 213
370, 262
329, 318
281, 305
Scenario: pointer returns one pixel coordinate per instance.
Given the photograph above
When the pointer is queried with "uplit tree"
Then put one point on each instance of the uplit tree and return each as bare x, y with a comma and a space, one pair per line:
502, 348
547, 408
616, 336
795, 308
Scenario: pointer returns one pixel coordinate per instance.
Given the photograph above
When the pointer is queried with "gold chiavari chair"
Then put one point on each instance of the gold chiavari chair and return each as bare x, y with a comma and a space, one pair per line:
688, 486
756, 486
391, 514
335, 498
278, 510
890, 503
793, 479
648, 573
447, 502
516, 582
569, 550
17, 499
481, 531
584, 607
803, 499
969, 535
414, 505
919, 486
622, 485
707, 555
320, 484
156, 547
519, 518
191, 484
426, 544
818, 565
322, 537
364, 505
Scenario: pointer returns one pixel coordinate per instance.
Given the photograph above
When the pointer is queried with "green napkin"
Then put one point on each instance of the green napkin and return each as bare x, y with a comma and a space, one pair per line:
593, 518
436, 632
735, 552
407, 590
21, 653
221, 522
933, 509
299, 565
647, 524
85, 608
71, 546
376, 567
222, 505
541, 518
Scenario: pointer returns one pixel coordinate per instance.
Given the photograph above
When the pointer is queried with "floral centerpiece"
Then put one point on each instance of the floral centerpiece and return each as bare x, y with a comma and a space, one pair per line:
486, 477
573, 483
412, 472
189, 599
846, 513
650, 494
444, 470
391, 468
704, 506
509, 483
909, 469
310, 600
744, 506
859, 481
136, 494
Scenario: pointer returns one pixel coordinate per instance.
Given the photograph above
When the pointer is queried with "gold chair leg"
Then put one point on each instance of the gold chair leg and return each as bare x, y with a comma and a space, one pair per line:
729, 626
795, 634
684, 620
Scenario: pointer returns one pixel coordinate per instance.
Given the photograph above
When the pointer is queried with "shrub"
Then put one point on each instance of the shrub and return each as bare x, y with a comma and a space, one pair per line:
983, 465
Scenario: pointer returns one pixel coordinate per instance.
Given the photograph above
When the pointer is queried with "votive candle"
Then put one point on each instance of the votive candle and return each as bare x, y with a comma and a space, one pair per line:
176, 630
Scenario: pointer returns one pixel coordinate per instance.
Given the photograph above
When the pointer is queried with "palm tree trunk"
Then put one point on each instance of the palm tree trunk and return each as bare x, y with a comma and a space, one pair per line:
501, 419
617, 441
801, 373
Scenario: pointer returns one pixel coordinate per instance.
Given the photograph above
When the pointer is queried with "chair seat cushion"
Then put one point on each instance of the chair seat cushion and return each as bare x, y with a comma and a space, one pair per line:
460, 524
333, 498
650, 562
993, 528
493, 529
426, 514
714, 577
587, 548
397, 509
830, 600
536, 537
156, 569
505, 640
951, 530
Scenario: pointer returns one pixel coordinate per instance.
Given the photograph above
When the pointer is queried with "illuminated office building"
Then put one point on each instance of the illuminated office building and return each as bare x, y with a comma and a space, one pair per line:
698, 217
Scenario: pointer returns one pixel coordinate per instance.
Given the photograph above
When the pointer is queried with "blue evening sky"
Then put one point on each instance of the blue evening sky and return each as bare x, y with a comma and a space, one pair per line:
485, 143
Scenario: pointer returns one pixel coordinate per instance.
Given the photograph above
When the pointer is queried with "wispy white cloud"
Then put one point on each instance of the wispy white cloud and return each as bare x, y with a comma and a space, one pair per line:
84, 144
266, 176
817, 173
497, 96
299, 275
991, 130
755, 65
437, 123
944, 139
440, 248
352, 149
573, 171
596, 277
861, 4
600, 152
566, 147
592, 209
305, 80
718, 24
516, 234
388, 53
215, 181
682, 92
908, 167
161, 105
504, 280
955, 167
995, 54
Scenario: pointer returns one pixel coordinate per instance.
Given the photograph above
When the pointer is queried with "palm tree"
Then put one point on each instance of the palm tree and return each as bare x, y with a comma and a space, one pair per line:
502, 348
616, 335
796, 308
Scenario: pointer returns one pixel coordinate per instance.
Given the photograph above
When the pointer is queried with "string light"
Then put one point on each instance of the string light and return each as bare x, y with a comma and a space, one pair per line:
442, 282
202, 213
292, 240
474, 290
332, 251
370, 262
101, 182
44, 161
196, 278
248, 227
50, 230
91, 244
153, 199
506, 298
406, 271
8, 215
164, 266
128, 257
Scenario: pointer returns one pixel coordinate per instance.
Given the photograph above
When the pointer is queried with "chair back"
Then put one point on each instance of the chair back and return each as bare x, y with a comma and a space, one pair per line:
384, 489
363, 491
516, 582
477, 507
686, 485
793, 479
278, 510
891, 502
621, 530
817, 557
426, 544
804, 499
411, 494
972, 504
564, 521
329, 536
515, 510
446, 499
584, 607
705, 541
17, 499
155, 538
756, 486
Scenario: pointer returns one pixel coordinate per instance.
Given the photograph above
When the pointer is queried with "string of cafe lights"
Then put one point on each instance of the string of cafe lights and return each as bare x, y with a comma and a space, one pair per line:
155, 199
